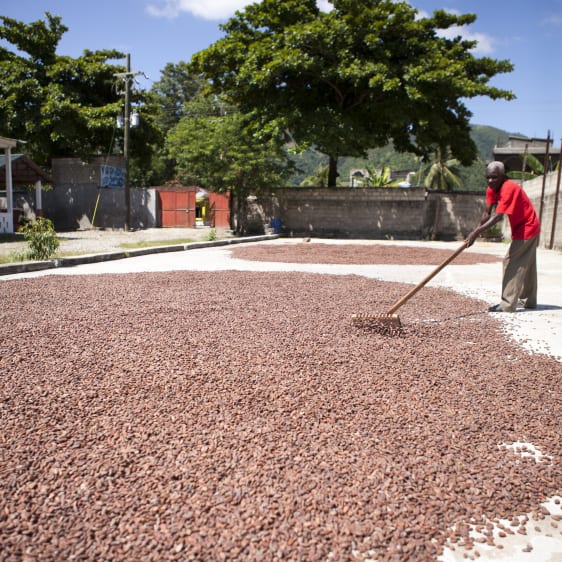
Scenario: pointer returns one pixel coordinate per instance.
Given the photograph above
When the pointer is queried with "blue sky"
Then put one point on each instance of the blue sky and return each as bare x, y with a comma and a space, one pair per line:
156, 32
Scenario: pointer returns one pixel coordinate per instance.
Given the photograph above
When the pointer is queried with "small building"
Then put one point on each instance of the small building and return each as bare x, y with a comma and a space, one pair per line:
17, 171
512, 153
358, 177
6, 195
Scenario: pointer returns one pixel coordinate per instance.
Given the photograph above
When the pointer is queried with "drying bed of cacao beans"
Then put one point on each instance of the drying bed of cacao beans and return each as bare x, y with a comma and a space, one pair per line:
319, 252
240, 416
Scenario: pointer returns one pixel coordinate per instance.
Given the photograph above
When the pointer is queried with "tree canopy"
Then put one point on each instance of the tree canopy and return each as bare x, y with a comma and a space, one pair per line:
214, 147
61, 106
177, 86
357, 77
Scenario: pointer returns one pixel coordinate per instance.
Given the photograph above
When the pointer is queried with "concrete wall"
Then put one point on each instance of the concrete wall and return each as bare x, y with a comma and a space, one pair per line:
397, 213
376, 213
72, 203
373, 213
71, 207
550, 212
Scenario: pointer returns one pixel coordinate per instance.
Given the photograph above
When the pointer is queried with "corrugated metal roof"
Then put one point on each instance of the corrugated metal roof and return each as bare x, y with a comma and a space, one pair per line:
13, 158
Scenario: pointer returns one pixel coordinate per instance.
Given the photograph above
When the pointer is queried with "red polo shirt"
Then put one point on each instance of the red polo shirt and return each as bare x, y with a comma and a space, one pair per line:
512, 201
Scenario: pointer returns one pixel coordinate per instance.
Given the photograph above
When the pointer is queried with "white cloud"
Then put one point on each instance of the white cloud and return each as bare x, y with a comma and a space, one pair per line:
224, 9
207, 9
485, 44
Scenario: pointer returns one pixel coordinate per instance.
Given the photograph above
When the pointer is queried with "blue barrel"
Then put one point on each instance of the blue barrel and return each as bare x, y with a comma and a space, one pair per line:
275, 225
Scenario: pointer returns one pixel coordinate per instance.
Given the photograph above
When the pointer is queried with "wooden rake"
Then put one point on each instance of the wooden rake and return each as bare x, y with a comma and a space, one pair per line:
389, 322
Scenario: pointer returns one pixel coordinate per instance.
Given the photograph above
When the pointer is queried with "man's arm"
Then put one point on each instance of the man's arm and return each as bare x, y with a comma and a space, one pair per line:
485, 224
486, 215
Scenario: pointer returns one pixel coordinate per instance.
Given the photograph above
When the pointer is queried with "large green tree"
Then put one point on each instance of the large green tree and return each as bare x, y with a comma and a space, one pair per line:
62, 106
362, 75
177, 86
215, 148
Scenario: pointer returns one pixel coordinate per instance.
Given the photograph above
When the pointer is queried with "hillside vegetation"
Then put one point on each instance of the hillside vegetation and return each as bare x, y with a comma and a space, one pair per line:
472, 177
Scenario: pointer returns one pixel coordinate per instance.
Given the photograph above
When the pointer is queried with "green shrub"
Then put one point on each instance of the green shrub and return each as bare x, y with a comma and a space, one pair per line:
212, 235
41, 238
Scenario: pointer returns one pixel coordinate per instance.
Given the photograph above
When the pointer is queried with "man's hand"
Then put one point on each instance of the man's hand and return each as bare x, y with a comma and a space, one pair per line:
471, 238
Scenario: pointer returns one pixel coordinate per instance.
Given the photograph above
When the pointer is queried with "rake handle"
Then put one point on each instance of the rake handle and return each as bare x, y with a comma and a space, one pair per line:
422, 283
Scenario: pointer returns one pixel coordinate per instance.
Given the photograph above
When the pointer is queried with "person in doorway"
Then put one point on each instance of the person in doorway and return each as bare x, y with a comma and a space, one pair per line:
519, 285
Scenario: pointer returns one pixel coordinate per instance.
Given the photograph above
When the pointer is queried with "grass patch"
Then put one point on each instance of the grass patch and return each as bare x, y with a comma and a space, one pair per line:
7, 238
7, 259
12, 258
152, 243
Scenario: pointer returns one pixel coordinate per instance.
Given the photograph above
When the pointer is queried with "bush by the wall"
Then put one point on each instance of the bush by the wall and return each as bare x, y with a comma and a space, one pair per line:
41, 239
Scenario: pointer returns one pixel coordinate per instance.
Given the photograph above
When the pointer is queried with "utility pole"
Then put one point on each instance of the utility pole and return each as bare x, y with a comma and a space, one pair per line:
126, 138
127, 78
545, 172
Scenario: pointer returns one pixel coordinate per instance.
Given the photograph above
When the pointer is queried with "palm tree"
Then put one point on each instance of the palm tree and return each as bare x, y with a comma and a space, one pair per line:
379, 178
318, 179
443, 173
537, 169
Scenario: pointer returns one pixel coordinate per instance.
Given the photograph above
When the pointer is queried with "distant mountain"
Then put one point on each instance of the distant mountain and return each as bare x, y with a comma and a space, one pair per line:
484, 137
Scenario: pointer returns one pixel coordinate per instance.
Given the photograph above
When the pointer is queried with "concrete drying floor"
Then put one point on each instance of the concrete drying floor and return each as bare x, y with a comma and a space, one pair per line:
538, 331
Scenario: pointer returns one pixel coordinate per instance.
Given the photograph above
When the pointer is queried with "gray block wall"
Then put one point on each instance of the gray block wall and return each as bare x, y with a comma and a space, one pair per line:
391, 213
77, 199
549, 211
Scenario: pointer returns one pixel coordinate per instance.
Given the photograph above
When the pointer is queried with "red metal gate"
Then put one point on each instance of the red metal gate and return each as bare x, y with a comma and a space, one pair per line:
177, 208
220, 211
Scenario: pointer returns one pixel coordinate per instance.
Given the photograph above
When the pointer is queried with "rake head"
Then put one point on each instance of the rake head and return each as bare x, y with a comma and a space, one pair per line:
386, 324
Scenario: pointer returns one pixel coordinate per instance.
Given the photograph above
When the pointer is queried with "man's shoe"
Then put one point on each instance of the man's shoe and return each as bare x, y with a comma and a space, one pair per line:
498, 308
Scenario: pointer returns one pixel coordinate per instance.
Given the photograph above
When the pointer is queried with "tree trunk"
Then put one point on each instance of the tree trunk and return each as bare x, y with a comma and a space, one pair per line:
332, 171
240, 219
232, 222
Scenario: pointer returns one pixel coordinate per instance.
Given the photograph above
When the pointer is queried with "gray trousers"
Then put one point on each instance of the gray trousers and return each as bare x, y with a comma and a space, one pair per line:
520, 275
